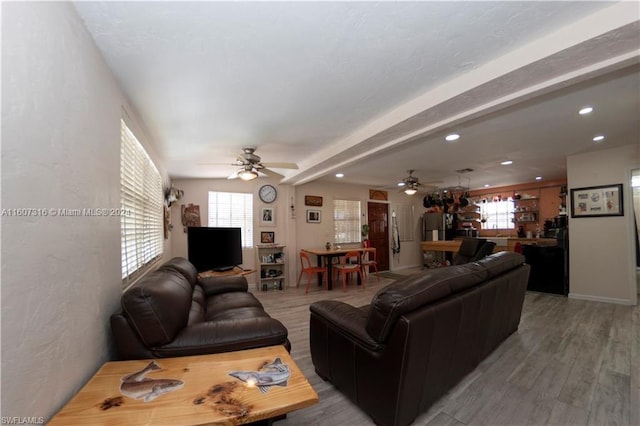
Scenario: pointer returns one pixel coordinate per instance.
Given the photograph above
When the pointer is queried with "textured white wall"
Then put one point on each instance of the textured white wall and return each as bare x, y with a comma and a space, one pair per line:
61, 112
601, 249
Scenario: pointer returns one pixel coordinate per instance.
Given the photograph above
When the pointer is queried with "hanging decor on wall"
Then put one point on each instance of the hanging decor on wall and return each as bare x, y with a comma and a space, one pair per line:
597, 201
190, 216
312, 200
172, 194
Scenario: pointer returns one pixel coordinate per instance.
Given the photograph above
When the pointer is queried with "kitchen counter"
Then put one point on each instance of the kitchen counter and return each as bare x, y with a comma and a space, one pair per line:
502, 243
509, 243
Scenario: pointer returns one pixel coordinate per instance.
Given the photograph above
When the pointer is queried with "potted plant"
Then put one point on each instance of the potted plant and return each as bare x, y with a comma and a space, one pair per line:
365, 232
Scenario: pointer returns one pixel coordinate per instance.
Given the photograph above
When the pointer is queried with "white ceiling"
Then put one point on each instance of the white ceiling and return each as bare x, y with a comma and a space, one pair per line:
371, 89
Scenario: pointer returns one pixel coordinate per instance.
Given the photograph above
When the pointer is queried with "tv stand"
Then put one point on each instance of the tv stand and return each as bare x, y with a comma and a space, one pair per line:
223, 269
235, 270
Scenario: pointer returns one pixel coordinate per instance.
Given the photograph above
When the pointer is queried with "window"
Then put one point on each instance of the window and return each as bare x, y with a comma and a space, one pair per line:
346, 221
498, 215
232, 210
141, 229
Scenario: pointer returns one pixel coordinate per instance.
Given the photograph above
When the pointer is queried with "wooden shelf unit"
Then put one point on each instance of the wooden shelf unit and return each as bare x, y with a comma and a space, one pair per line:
271, 264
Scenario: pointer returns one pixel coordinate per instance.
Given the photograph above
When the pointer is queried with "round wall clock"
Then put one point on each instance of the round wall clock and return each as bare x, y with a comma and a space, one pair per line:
268, 193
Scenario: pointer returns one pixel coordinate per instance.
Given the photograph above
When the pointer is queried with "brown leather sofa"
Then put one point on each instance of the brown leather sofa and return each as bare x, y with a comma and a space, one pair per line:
171, 312
419, 336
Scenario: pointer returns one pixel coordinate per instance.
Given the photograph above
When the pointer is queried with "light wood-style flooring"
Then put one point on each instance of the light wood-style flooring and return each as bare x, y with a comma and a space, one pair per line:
571, 362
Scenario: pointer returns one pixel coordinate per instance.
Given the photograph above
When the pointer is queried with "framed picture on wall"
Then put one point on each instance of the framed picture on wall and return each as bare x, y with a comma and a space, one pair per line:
312, 200
313, 216
268, 216
267, 237
597, 201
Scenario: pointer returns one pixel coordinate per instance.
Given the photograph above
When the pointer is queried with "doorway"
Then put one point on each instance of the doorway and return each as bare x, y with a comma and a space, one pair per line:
378, 219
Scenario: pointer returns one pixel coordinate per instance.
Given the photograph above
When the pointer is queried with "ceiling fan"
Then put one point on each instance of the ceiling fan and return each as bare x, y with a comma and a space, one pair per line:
410, 184
251, 164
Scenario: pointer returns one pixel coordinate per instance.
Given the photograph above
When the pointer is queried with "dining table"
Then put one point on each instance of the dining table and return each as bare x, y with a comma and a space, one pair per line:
329, 254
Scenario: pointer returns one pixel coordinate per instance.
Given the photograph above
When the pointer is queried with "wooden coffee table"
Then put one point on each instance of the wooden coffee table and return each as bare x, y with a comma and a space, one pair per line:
209, 394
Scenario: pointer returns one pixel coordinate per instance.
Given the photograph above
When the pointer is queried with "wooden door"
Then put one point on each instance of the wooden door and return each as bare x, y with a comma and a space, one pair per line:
378, 219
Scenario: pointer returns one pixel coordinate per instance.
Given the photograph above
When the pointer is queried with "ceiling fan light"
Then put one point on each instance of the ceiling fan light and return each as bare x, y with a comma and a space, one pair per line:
410, 191
247, 175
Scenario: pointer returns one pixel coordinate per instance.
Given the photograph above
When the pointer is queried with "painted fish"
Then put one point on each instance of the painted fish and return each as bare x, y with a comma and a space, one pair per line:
137, 386
273, 374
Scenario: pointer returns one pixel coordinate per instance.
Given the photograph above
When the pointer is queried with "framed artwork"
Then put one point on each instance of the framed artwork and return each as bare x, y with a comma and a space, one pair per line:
267, 237
313, 216
597, 201
190, 215
312, 200
268, 216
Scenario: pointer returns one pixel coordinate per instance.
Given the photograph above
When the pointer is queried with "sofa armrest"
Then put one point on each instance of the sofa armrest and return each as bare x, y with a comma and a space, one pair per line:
217, 285
346, 320
225, 336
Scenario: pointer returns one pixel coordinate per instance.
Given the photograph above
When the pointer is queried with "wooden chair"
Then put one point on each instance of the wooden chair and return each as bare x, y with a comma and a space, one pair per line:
309, 269
370, 261
346, 267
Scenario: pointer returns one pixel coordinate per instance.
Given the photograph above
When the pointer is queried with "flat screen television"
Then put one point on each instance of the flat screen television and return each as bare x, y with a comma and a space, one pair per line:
219, 249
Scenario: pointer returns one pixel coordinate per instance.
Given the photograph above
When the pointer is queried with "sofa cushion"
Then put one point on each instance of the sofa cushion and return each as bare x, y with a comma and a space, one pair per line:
158, 306
198, 306
500, 262
417, 290
223, 302
183, 267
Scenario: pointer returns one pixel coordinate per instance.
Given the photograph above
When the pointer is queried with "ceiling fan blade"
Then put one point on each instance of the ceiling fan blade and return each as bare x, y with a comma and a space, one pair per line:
281, 165
234, 175
270, 173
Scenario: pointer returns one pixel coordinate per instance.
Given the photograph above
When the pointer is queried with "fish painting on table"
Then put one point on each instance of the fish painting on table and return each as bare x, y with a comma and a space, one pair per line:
138, 386
272, 374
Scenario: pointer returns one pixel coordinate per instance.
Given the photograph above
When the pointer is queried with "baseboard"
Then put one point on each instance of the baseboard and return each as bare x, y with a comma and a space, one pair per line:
601, 299
400, 268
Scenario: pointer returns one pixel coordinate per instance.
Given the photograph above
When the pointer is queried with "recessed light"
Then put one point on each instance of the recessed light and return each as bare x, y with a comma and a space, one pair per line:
486, 185
506, 163
598, 138
538, 177
339, 175
452, 137
586, 110
401, 183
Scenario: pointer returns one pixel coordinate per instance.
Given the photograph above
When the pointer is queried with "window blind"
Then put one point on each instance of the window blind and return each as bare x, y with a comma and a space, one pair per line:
346, 221
234, 210
141, 228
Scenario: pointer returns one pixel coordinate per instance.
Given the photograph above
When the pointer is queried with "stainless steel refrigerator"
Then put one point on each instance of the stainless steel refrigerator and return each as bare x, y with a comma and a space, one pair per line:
440, 222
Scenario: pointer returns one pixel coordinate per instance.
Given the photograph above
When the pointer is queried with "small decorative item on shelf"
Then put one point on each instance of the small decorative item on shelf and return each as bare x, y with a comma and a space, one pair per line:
327, 246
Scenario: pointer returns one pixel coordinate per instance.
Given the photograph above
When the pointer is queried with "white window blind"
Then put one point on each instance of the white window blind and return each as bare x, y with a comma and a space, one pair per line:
346, 221
498, 214
141, 229
232, 210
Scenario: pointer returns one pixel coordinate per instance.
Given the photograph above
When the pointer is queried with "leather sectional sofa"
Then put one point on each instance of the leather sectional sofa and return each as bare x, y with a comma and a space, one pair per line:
171, 312
419, 336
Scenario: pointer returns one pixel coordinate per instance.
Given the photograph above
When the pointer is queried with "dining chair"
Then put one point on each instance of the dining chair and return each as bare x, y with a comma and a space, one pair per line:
345, 267
309, 269
370, 261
